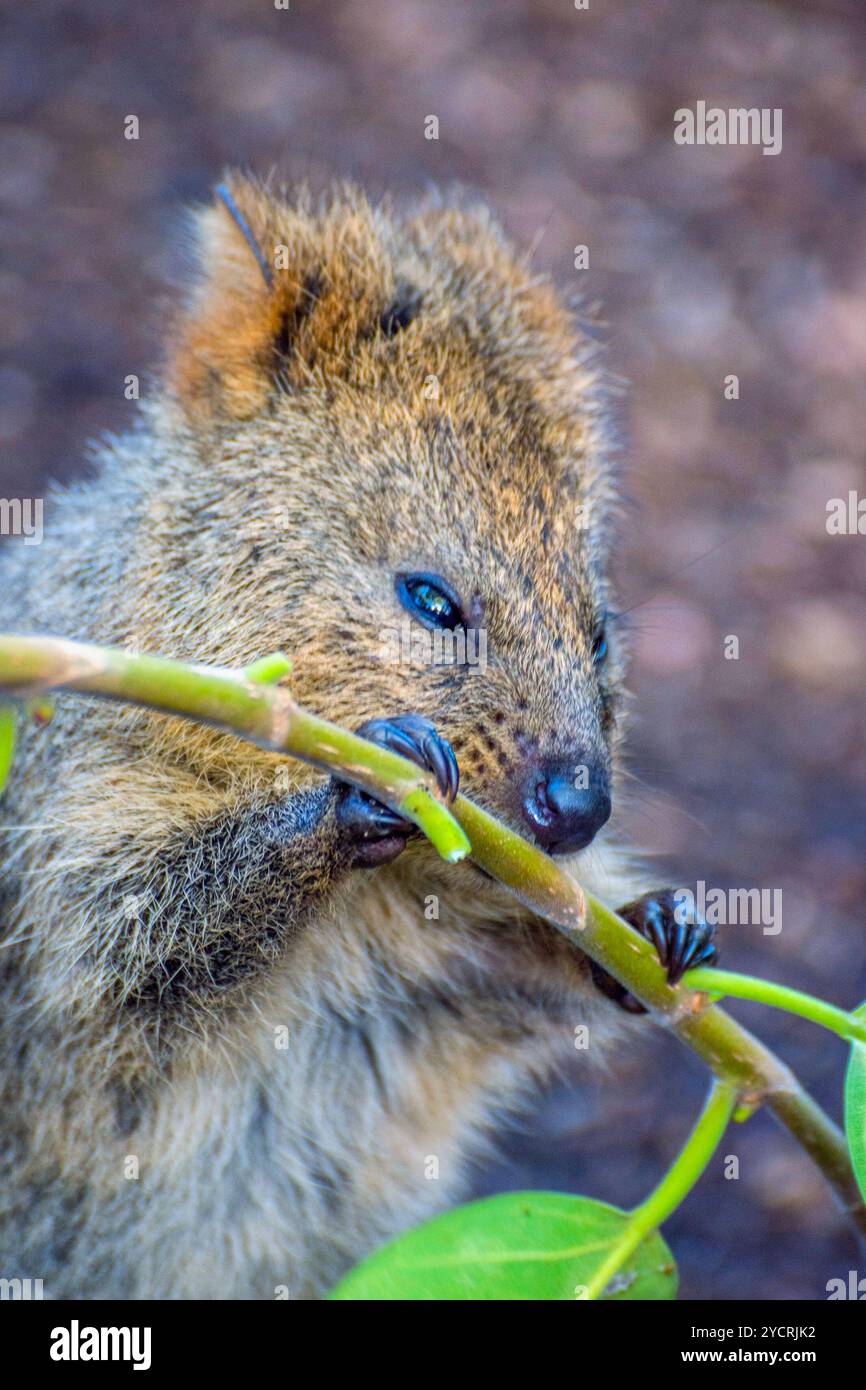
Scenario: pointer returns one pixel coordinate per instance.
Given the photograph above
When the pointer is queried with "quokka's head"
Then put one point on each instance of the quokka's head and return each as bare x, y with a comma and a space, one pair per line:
406, 486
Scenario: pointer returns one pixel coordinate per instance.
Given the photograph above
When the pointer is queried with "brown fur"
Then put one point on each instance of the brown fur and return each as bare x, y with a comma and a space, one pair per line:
171, 897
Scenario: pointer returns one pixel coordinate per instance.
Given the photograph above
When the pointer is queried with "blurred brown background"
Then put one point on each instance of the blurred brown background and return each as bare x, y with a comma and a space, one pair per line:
707, 261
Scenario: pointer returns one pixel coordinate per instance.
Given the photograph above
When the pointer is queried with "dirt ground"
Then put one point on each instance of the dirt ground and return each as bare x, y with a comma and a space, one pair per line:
707, 261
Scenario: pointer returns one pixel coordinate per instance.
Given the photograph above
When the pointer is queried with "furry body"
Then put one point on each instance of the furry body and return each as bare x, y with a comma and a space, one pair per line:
175, 904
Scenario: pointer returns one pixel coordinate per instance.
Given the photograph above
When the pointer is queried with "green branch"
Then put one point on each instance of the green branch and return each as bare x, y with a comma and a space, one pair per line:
244, 702
7, 741
247, 704
722, 984
674, 1187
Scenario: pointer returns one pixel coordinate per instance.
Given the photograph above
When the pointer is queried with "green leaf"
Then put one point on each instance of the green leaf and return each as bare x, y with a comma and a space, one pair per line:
521, 1245
855, 1107
7, 742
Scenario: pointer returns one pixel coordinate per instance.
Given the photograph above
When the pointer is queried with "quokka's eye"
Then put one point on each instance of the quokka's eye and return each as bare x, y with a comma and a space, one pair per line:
428, 598
599, 645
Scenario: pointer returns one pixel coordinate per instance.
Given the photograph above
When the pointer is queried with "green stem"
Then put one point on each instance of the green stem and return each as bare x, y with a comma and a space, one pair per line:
246, 703
8, 723
674, 1186
268, 716
726, 983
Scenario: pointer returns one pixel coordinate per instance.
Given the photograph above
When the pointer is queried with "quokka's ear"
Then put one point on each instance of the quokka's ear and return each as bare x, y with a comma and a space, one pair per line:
289, 290
221, 360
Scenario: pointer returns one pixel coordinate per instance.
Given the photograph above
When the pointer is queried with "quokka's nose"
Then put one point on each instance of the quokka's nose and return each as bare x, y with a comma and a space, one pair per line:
566, 804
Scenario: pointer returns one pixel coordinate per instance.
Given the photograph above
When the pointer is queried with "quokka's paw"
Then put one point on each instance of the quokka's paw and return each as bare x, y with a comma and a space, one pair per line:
680, 945
379, 835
